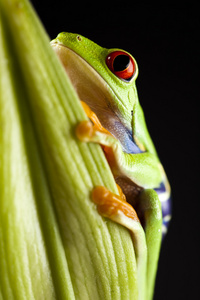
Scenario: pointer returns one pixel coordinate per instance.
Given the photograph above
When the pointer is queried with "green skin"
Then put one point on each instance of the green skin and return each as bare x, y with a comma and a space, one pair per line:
85, 62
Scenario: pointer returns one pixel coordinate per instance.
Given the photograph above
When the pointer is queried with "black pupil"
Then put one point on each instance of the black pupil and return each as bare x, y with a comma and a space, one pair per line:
121, 62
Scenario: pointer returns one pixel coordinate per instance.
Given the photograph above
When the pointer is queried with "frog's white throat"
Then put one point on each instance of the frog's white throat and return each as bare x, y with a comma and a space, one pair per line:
91, 88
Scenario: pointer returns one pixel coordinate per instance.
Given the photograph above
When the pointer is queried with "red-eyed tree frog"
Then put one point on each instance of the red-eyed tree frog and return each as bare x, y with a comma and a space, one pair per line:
105, 82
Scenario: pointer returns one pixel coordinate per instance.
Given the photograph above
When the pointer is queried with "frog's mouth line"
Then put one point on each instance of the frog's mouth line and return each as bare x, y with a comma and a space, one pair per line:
95, 92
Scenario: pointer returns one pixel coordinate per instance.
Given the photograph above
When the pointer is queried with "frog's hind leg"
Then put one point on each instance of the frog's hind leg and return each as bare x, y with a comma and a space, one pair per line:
116, 208
150, 208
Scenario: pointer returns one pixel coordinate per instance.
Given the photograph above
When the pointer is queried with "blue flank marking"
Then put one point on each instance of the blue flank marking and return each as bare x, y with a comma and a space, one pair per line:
126, 138
166, 207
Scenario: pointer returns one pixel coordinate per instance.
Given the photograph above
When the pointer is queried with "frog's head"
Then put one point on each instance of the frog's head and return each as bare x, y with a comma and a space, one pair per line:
105, 80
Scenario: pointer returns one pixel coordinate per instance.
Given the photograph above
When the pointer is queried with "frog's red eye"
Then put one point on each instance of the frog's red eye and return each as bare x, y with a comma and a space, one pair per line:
121, 64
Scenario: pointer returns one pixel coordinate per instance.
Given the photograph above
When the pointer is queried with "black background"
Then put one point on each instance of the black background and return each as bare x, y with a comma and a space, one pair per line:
165, 42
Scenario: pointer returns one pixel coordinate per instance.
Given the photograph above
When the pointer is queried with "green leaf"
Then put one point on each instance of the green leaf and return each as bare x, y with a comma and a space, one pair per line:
53, 242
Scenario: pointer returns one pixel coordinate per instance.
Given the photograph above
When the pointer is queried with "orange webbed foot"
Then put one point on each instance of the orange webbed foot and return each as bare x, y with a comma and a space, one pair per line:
93, 117
92, 131
112, 206
86, 130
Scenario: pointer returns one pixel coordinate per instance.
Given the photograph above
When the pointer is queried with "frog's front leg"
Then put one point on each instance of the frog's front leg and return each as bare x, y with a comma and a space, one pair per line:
116, 208
129, 165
